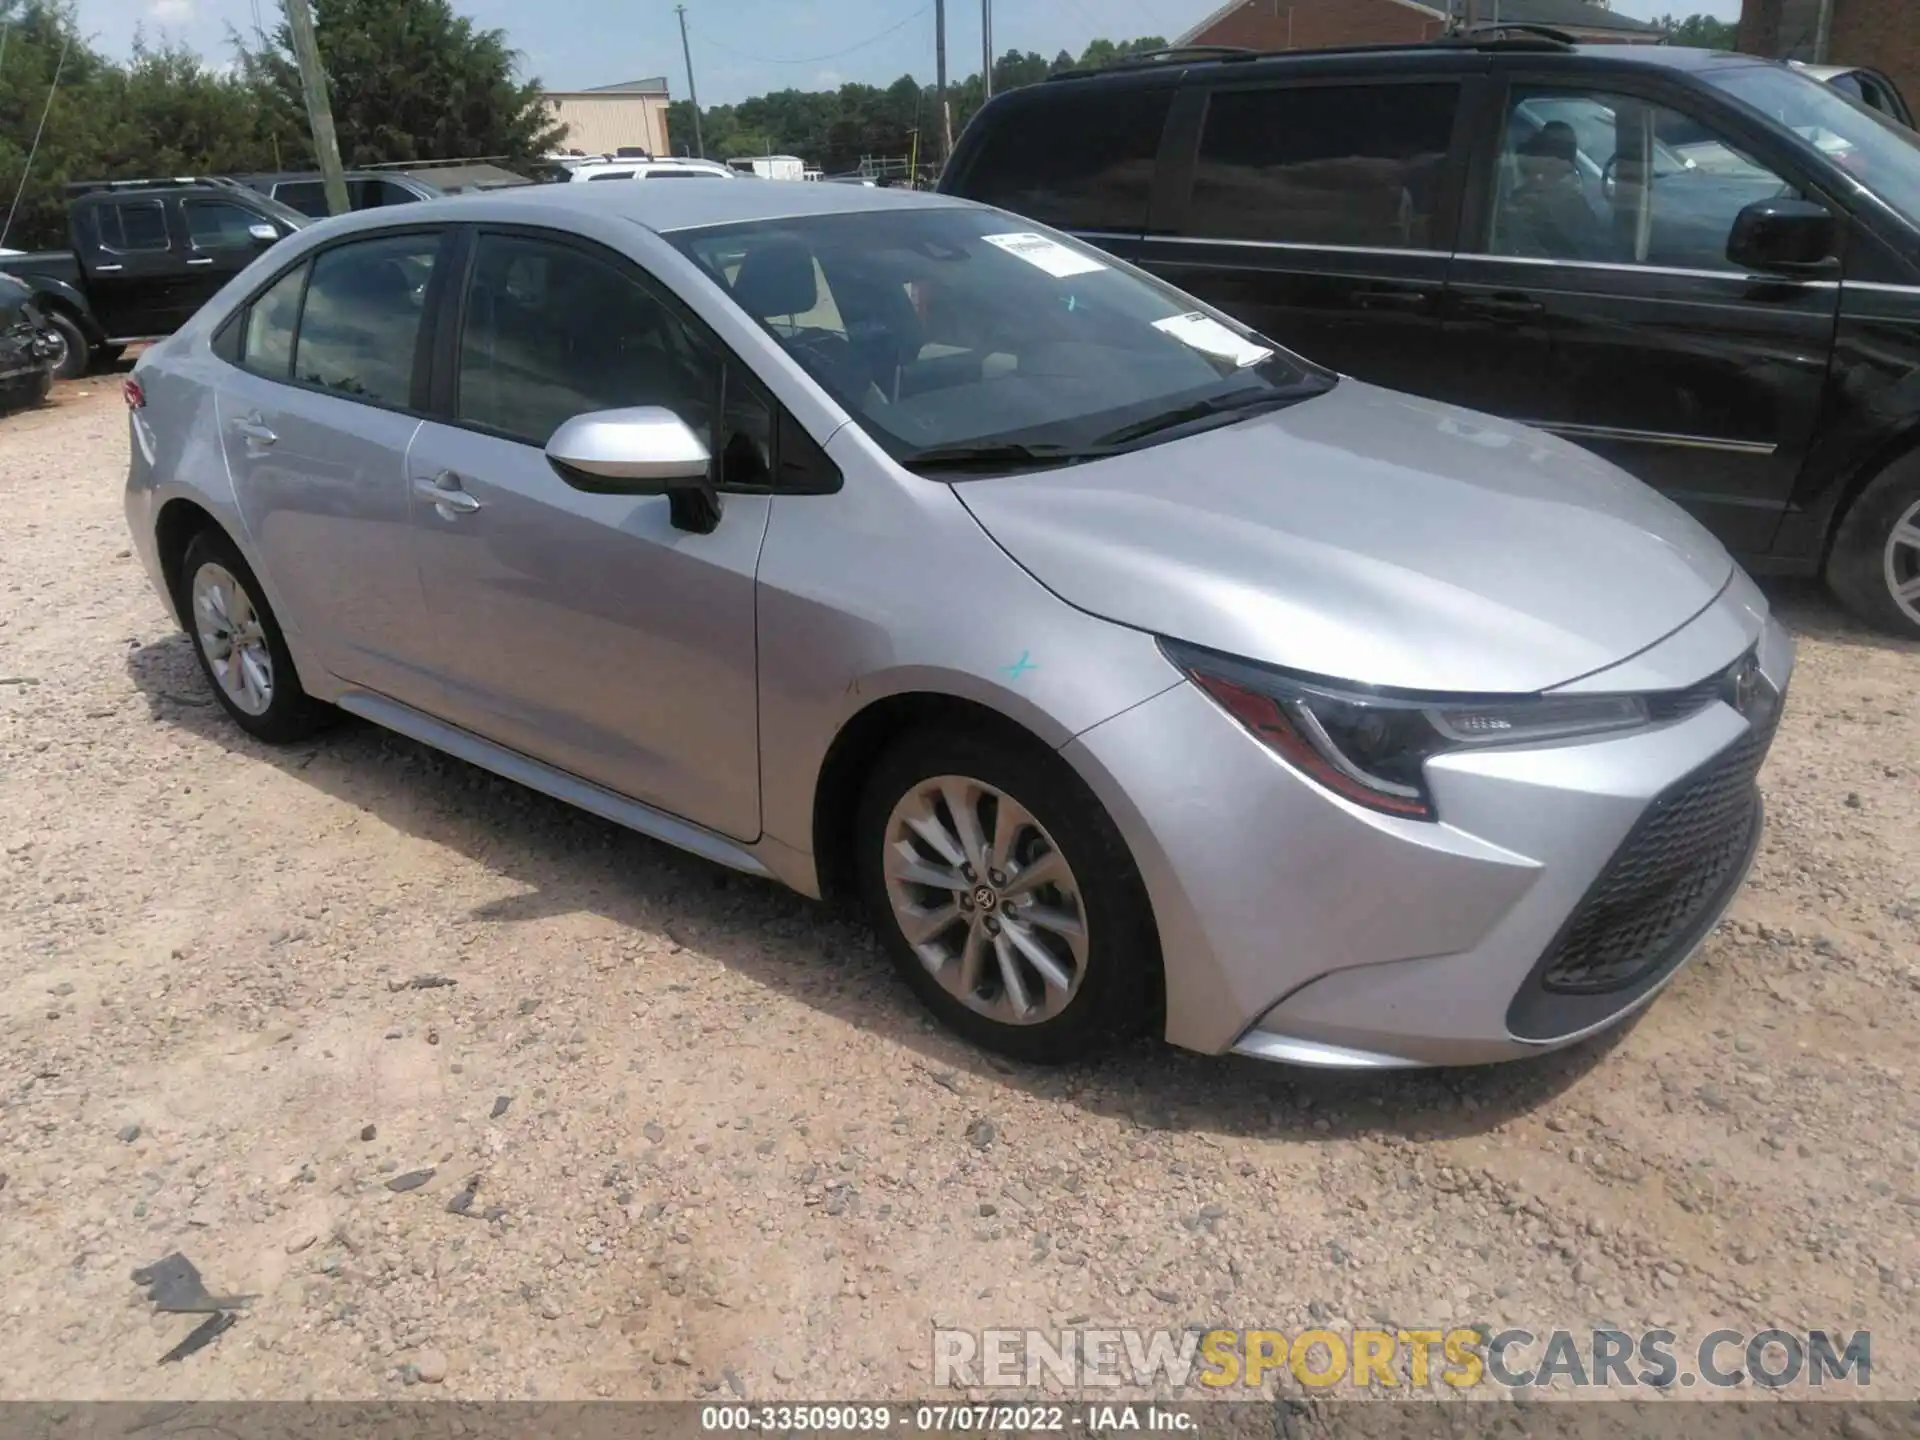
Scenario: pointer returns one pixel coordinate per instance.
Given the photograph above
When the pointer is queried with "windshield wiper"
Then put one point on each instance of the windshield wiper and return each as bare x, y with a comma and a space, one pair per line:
1239, 402
1008, 455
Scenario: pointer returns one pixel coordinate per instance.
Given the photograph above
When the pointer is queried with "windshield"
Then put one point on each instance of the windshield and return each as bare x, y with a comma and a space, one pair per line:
954, 330
1879, 155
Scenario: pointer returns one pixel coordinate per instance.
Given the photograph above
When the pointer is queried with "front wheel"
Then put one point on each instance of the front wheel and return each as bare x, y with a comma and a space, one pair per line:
1875, 564
242, 651
1008, 900
70, 361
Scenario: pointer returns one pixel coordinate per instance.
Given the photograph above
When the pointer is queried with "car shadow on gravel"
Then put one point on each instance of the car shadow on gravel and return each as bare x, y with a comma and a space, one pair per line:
568, 862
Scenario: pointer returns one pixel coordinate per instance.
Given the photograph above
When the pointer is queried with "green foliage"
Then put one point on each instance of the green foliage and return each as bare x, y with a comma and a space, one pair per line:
407, 80
1700, 31
836, 129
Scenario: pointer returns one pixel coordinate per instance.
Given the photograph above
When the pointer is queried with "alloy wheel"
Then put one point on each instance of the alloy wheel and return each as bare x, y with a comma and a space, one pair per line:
986, 900
1902, 563
232, 638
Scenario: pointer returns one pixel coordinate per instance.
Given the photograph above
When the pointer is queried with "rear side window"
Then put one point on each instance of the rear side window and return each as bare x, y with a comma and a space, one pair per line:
1324, 165
309, 197
267, 344
361, 321
134, 225
1083, 161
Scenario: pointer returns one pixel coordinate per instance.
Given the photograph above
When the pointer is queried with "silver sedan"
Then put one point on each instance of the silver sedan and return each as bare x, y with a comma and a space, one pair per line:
1133, 672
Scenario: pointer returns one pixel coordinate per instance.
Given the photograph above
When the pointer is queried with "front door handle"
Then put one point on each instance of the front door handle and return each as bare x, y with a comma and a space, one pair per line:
1406, 301
203, 260
444, 493
107, 269
1503, 307
253, 431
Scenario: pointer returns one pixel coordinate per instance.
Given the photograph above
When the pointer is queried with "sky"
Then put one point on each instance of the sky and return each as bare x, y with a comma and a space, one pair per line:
740, 47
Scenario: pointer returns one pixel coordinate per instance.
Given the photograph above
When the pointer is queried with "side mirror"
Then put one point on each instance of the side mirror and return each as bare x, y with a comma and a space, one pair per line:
262, 233
1784, 237
643, 451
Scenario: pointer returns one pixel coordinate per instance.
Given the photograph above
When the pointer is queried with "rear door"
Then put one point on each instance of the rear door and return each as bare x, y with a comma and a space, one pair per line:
1322, 213
316, 411
134, 264
1593, 297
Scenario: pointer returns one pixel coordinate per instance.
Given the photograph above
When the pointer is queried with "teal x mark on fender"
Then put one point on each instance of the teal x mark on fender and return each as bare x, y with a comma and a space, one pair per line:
1020, 666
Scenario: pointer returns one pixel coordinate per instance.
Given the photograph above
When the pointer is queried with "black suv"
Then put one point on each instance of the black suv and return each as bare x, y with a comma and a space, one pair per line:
1704, 266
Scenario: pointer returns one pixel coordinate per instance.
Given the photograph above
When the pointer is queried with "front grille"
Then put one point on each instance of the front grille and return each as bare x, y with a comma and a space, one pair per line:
1665, 705
1676, 863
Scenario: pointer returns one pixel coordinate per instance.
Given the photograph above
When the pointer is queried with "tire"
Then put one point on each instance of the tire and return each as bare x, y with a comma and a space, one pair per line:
1114, 988
1874, 567
219, 595
74, 359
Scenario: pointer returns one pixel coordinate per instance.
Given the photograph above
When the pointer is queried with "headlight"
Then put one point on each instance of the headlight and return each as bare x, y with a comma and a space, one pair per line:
1372, 749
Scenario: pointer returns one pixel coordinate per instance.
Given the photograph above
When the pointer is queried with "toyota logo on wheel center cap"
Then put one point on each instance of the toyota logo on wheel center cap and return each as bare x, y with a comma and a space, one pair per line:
984, 897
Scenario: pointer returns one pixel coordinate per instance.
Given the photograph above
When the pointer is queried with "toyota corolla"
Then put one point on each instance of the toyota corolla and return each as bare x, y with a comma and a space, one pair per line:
1133, 672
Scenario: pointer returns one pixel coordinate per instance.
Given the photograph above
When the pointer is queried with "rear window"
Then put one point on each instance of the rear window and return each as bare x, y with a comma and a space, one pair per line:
133, 225
1081, 160
1355, 165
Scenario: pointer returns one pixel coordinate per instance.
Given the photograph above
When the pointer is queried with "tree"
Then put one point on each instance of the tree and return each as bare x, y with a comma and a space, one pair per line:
1700, 31
408, 80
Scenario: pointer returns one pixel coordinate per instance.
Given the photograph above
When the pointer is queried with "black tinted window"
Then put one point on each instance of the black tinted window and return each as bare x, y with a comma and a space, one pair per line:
220, 225
1324, 165
134, 225
552, 332
309, 197
362, 317
1083, 161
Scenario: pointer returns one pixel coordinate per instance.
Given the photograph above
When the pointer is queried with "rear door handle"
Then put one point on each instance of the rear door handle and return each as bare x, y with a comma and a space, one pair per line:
205, 260
1503, 307
254, 431
1408, 301
107, 269
444, 493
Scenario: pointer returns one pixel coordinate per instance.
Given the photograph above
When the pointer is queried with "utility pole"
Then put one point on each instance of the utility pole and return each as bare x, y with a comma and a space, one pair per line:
313, 80
1469, 14
693, 95
940, 72
986, 49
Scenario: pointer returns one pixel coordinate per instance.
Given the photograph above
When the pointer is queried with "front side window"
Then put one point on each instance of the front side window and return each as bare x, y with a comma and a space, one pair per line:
552, 332
361, 323
1083, 162
1354, 165
267, 346
219, 225
1614, 179
1874, 153
133, 226
960, 328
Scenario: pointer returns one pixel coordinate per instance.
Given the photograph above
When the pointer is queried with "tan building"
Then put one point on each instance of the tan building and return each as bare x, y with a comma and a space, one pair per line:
608, 118
1881, 34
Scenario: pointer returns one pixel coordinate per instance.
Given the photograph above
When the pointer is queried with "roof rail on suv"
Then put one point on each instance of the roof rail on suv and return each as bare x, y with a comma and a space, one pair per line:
1480, 37
174, 182
1517, 34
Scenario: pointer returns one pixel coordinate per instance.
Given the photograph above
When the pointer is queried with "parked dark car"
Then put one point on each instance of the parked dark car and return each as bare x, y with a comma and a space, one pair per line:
1706, 267
1870, 87
146, 254
27, 347
305, 191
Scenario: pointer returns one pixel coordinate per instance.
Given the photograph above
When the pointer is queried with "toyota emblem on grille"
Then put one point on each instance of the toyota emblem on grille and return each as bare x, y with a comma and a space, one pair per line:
1743, 690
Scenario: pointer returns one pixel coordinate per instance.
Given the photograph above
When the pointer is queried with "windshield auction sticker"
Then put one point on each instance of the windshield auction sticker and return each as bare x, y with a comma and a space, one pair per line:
1049, 255
1205, 333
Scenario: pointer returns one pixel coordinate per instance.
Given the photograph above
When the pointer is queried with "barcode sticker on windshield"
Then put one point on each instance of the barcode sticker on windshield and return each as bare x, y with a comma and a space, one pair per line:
1205, 333
1049, 255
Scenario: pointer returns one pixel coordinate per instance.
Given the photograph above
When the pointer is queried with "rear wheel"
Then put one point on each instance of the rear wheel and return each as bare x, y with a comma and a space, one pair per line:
1006, 897
242, 651
1875, 564
70, 362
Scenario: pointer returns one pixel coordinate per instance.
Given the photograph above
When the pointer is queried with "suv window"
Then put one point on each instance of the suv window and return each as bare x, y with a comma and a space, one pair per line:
552, 332
1614, 179
267, 343
309, 197
1324, 164
1082, 162
361, 322
134, 225
219, 225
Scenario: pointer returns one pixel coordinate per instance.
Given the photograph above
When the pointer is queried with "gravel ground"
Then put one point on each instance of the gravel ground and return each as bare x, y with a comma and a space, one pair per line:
718, 1151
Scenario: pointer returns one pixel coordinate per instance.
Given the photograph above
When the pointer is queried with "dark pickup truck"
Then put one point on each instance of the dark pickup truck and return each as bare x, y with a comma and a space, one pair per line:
146, 254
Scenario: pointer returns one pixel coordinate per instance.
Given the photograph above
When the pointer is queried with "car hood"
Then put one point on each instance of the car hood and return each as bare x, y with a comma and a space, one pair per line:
1369, 536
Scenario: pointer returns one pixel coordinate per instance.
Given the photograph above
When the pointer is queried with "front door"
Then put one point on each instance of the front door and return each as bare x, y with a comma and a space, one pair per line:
220, 244
314, 417
1599, 303
1322, 215
586, 630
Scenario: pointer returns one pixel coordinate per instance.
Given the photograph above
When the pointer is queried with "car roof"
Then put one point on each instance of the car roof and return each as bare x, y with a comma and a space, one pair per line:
667, 208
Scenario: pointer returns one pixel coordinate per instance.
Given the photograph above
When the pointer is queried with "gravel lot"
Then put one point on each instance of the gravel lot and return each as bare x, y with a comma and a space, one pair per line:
722, 1152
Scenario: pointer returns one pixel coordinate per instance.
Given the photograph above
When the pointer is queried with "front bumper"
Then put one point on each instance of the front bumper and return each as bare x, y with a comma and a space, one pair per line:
1297, 927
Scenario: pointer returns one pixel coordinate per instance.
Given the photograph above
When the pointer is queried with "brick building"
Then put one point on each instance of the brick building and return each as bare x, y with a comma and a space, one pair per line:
1883, 34
1319, 24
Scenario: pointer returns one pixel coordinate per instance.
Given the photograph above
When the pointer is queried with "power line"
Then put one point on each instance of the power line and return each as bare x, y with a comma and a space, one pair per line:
816, 59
